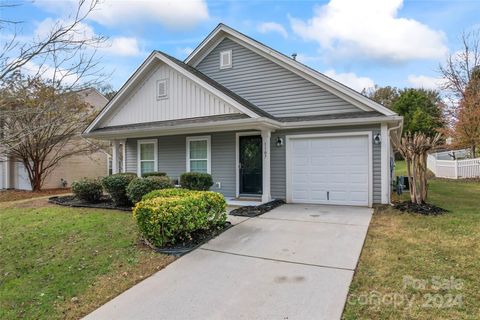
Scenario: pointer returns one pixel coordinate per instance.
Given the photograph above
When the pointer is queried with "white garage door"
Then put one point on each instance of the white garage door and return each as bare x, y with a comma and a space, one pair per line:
328, 170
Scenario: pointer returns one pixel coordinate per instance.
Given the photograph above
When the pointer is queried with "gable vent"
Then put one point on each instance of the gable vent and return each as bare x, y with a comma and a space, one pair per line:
162, 89
226, 59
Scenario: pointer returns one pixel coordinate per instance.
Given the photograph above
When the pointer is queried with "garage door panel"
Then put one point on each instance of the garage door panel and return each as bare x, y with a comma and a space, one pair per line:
337, 166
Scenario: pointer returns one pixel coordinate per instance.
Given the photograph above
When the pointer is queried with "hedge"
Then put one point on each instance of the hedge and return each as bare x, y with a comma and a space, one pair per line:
88, 189
170, 216
116, 185
139, 187
154, 174
173, 192
196, 181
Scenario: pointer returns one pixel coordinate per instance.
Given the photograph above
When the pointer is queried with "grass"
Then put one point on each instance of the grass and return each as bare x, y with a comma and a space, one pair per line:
428, 248
62, 263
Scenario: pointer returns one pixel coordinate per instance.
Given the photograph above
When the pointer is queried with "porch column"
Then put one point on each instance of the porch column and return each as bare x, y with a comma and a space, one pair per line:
115, 156
266, 135
124, 155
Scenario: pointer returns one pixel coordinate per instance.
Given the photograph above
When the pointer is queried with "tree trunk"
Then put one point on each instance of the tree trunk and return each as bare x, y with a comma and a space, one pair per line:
410, 179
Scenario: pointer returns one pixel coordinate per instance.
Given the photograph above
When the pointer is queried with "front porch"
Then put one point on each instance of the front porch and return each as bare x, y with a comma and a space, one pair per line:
242, 177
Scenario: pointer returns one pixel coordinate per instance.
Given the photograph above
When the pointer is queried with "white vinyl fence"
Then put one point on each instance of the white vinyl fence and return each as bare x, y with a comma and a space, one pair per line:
453, 169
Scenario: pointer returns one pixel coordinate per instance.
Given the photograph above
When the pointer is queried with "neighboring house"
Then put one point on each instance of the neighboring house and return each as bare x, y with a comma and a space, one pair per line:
14, 176
263, 124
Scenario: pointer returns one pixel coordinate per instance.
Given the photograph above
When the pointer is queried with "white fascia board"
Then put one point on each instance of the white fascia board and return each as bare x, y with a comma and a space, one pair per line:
120, 93
238, 124
339, 122
207, 86
231, 125
316, 77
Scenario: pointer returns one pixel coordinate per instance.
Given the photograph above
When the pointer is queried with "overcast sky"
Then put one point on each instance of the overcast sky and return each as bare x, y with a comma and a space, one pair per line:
359, 43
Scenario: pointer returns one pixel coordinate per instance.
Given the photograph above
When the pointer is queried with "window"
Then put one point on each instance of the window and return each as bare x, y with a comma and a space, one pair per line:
162, 89
226, 59
198, 154
147, 156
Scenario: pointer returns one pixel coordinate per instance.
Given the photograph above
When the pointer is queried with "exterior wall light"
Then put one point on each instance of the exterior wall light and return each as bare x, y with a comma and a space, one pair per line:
279, 142
377, 139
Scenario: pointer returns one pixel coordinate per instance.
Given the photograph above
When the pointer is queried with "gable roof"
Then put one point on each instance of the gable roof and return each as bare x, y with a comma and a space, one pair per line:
235, 100
219, 87
222, 31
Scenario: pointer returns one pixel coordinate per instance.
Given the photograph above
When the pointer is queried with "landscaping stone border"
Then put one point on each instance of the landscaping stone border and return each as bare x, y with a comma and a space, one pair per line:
72, 201
253, 211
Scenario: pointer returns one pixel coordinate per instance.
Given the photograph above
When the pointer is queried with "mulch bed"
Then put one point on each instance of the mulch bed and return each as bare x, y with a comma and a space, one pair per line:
14, 195
198, 239
71, 201
425, 209
253, 211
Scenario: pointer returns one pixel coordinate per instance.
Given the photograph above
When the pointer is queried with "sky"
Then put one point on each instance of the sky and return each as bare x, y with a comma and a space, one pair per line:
357, 42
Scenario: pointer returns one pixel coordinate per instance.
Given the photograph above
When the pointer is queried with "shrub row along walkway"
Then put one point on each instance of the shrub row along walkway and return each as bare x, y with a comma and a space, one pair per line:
268, 267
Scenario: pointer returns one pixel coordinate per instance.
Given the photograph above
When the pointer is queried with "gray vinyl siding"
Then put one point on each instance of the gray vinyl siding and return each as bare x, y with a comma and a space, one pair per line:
278, 159
172, 158
269, 86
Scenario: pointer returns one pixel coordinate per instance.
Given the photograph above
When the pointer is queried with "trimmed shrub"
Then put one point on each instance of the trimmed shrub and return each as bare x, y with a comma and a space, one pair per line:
168, 219
139, 187
116, 186
154, 174
196, 181
88, 189
174, 192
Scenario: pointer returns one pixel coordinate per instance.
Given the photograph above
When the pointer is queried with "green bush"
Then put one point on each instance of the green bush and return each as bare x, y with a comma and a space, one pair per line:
88, 189
174, 215
174, 192
116, 186
196, 181
154, 174
139, 187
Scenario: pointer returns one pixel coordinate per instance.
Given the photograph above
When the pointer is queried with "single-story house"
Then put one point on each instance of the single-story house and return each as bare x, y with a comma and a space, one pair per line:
13, 174
263, 124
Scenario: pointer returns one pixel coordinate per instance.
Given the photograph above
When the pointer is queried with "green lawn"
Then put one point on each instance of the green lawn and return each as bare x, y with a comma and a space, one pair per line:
429, 249
59, 262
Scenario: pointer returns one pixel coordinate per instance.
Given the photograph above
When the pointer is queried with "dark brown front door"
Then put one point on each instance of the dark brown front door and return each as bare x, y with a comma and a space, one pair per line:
250, 160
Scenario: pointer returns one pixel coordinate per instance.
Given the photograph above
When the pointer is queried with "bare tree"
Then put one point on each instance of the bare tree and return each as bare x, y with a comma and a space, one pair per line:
414, 149
66, 55
59, 117
461, 74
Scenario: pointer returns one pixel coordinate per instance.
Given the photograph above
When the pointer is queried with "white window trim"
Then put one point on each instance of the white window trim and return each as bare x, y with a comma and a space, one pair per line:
227, 66
163, 96
209, 151
155, 154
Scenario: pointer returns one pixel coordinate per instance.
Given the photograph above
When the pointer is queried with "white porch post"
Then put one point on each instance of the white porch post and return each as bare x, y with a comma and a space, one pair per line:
115, 154
266, 135
124, 155
385, 158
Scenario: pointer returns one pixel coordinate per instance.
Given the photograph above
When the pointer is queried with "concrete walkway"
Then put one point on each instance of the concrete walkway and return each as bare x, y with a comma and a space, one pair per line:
295, 262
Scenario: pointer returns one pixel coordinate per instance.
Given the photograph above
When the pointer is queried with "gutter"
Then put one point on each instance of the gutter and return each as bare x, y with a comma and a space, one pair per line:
236, 125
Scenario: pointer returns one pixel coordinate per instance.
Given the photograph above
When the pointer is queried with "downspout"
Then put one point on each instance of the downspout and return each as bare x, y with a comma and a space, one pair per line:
400, 126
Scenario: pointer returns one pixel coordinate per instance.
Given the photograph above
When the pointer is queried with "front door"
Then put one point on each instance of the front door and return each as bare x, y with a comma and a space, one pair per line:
250, 162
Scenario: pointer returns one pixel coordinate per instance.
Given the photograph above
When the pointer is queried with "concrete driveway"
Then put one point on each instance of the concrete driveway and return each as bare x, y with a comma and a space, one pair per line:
294, 262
